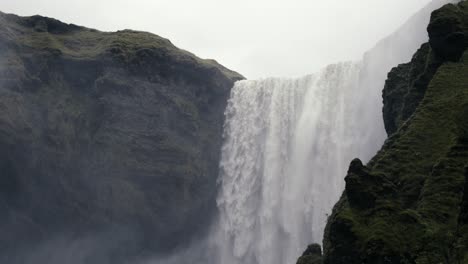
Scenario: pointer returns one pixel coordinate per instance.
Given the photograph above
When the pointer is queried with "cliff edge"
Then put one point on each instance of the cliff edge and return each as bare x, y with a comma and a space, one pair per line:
409, 204
109, 141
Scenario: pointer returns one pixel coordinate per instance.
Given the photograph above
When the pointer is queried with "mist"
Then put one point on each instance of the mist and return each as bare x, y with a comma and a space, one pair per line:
288, 144
259, 39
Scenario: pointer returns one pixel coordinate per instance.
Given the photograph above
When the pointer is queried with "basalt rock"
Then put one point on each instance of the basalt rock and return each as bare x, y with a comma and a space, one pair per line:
312, 255
363, 188
109, 142
448, 32
405, 87
408, 204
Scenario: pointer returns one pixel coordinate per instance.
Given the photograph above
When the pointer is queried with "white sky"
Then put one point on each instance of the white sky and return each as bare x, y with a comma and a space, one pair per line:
257, 38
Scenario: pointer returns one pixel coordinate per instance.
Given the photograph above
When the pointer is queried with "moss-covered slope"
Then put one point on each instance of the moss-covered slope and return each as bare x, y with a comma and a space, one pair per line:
104, 136
409, 204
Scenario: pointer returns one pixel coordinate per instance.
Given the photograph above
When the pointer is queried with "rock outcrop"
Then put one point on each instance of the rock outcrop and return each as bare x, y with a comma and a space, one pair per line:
115, 134
407, 83
408, 204
312, 255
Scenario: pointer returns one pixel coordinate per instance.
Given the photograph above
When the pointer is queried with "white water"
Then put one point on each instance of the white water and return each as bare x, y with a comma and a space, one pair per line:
288, 143
287, 146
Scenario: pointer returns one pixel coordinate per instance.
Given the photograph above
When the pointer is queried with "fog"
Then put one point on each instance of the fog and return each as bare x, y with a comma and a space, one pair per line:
288, 143
257, 38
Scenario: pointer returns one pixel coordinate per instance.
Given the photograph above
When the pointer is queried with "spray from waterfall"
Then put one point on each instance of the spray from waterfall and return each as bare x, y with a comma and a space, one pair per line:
288, 143
287, 146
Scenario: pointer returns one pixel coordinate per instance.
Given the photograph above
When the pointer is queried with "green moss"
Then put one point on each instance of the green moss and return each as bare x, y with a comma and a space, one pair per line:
312, 255
418, 178
427, 157
42, 33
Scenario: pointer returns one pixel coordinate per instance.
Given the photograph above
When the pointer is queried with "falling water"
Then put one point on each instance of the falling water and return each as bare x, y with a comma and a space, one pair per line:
287, 145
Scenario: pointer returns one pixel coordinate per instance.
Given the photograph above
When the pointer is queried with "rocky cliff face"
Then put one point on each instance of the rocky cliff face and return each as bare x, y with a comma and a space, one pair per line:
409, 203
116, 134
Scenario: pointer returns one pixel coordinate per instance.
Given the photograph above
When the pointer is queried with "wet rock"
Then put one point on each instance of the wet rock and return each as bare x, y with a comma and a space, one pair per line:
448, 31
115, 133
408, 204
312, 255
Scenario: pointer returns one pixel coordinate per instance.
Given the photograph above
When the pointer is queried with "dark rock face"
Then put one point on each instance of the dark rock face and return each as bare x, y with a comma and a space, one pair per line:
448, 32
408, 204
405, 87
104, 133
407, 83
463, 217
363, 188
312, 255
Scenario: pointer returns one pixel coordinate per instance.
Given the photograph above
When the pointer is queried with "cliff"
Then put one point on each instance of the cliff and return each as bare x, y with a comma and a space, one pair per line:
109, 142
409, 203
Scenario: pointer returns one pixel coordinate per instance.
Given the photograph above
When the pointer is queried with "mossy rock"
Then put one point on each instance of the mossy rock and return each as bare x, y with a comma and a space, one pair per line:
312, 255
111, 138
408, 204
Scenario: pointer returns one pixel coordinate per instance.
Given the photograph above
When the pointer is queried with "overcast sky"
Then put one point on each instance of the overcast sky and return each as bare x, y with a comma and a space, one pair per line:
258, 38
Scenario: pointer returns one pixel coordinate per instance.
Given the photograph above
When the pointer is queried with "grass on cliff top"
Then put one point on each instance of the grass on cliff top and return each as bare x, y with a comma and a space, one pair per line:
81, 42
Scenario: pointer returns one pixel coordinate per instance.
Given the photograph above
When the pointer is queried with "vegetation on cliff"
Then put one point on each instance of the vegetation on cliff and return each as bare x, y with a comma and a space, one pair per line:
409, 203
109, 141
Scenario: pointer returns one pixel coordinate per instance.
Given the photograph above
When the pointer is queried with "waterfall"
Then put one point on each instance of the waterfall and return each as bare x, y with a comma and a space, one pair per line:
287, 146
